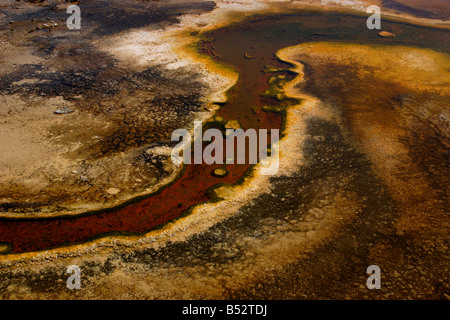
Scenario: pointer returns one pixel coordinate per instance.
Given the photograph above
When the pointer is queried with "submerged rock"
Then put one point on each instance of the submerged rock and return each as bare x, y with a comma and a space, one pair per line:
4, 248
270, 69
113, 191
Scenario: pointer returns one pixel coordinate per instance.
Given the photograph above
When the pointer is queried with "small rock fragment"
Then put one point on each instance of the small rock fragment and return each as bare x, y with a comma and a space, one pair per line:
386, 34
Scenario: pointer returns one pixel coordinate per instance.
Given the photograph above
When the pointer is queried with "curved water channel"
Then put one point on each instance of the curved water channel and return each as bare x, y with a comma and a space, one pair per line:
248, 46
